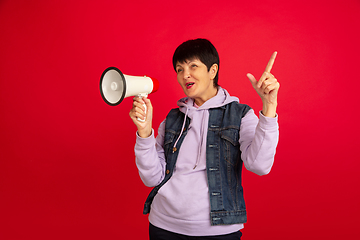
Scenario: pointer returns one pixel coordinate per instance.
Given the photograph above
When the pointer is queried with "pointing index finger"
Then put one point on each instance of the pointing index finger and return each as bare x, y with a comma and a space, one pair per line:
271, 62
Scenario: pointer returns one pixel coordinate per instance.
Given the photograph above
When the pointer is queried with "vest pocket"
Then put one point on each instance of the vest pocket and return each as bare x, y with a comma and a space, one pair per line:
230, 141
231, 135
169, 140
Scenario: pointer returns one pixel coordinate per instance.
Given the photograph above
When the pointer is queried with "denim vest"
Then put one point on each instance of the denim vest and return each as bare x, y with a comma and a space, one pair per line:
223, 161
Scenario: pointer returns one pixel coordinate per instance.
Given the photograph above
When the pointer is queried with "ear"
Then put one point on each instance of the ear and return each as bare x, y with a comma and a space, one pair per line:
213, 71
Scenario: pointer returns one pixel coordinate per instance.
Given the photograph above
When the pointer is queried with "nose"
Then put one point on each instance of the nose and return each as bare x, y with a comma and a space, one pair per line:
186, 73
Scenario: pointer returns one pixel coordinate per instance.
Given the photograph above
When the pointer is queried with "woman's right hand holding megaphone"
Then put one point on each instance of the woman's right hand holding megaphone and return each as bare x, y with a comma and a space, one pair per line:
138, 111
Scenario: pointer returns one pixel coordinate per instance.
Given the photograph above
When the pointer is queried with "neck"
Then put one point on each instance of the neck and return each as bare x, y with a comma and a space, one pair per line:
200, 101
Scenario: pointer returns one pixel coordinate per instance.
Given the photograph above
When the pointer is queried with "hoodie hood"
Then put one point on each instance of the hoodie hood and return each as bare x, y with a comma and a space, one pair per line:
220, 99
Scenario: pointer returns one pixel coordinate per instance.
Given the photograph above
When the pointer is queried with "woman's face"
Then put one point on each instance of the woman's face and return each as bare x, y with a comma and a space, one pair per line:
196, 81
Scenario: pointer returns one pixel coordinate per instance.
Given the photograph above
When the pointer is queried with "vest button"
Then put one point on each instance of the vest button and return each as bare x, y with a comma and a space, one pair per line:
167, 171
174, 149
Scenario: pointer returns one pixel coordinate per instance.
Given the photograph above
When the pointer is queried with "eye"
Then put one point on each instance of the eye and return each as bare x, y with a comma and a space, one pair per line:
193, 65
179, 70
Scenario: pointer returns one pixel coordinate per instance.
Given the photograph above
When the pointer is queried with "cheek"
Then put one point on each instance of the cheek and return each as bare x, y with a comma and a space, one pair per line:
180, 83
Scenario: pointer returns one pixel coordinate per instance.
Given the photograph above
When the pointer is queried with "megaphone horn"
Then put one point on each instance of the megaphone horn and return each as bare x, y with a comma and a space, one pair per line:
115, 86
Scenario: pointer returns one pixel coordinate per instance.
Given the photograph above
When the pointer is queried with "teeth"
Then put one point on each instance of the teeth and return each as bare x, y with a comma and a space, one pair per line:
189, 84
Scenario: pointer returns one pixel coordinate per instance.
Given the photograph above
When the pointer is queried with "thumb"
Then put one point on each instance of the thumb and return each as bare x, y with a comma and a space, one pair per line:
148, 106
252, 79
147, 102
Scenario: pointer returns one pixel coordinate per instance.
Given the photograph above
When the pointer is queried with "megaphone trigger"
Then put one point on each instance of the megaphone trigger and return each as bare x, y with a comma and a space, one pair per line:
141, 95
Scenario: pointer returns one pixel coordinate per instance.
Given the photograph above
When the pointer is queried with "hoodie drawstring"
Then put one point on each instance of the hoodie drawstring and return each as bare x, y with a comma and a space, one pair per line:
182, 130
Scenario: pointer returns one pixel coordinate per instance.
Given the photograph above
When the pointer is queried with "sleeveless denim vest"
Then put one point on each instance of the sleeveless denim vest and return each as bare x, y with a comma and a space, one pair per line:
223, 161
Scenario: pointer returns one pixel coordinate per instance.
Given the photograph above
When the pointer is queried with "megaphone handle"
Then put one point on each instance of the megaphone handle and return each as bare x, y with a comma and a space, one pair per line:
143, 95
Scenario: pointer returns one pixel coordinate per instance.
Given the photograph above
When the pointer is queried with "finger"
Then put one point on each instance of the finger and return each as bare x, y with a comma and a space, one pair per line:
139, 105
134, 114
140, 116
267, 79
147, 101
137, 112
271, 62
252, 79
270, 84
271, 87
139, 100
148, 104
265, 76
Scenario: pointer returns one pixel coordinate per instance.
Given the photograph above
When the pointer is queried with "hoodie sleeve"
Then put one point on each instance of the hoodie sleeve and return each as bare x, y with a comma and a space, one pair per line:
258, 142
150, 157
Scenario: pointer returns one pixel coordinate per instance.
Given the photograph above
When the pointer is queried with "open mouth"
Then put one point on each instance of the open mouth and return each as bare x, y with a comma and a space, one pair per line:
189, 85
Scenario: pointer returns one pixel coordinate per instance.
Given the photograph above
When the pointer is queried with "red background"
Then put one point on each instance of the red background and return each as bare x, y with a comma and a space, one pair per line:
66, 158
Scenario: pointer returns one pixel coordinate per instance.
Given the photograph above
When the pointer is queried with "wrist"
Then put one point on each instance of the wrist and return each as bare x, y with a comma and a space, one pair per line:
269, 110
144, 133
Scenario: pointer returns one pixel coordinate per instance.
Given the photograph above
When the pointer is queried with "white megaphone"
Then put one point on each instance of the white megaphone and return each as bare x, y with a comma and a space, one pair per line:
115, 86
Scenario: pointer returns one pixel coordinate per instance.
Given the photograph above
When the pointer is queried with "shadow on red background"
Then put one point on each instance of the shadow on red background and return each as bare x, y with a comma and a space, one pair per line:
66, 158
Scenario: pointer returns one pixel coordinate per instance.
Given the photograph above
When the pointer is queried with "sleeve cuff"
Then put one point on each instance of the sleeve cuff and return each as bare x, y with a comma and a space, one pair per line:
145, 142
268, 123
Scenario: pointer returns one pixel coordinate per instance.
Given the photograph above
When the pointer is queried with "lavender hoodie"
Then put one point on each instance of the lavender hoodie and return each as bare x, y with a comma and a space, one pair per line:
182, 204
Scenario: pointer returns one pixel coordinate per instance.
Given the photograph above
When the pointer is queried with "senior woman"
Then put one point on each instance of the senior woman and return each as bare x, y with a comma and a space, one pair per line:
195, 163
